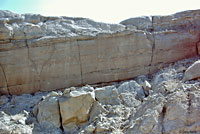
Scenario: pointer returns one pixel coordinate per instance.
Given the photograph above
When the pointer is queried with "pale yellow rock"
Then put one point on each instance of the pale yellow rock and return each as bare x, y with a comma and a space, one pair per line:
75, 108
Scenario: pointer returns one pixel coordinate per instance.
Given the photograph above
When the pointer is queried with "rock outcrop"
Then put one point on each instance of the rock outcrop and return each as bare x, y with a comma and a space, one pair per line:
39, 53
171, 106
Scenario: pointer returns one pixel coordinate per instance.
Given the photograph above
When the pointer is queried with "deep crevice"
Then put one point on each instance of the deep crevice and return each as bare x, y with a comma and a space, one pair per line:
162, 117
5, 79
80, 63
61, 126
198, 42
153, 44
189, 103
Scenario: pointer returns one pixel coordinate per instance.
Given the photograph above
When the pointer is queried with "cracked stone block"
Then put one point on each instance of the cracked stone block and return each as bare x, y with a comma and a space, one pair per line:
75, 108
49, 113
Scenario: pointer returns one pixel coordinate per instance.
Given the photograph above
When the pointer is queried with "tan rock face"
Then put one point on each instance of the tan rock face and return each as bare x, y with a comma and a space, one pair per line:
39, 53
75, 109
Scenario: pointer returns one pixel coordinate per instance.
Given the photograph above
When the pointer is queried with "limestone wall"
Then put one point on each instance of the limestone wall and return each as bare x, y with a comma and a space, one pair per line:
40, 53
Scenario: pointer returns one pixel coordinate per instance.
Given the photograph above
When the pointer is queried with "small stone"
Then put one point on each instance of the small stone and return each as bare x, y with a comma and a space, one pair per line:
53, 94
101, 128
90, 129
146, 85
66, 91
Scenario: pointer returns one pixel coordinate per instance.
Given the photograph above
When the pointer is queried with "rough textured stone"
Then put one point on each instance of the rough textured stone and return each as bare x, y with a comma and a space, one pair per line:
39, 53
172, 107
107, 95
49, 113
6, 31
132, 87
142, 23
146, 86
75, 109
192, 72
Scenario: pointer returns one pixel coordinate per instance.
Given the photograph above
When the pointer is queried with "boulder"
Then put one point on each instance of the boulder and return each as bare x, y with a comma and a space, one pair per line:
32, 18
142, 23
27, 31
8, 14
75, 109
48, 113
6, 31
107, 95
132, 87
128, 99
193, 71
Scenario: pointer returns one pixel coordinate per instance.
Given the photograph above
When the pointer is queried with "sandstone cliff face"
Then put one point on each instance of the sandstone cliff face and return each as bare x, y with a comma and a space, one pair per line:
165, 102
39, 53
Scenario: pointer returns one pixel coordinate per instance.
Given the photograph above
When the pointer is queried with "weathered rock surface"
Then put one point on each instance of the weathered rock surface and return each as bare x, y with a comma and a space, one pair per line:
170, 107
75, 109
132, 87
48, 114
193, 72
39, 53
107, 95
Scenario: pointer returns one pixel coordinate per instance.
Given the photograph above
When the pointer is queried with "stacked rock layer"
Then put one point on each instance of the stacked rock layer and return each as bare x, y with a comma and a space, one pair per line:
39, 53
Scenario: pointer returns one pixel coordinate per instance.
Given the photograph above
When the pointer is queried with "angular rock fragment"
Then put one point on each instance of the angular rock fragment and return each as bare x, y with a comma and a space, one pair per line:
192, 72
132, 87
49, 113
107, 95
6, 31
75, 108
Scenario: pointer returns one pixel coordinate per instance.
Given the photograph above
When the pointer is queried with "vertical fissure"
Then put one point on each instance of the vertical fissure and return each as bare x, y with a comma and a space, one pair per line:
61, 126
80, 63
45, 63
153, 43
162, 117
38, 72
5, 79
197, 45
29, 57
189, 103
32, 61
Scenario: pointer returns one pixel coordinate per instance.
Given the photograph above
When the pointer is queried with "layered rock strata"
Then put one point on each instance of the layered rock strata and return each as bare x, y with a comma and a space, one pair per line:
39, 53
164, 102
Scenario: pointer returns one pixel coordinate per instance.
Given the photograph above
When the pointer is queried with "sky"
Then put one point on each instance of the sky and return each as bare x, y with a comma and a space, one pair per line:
110, 11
